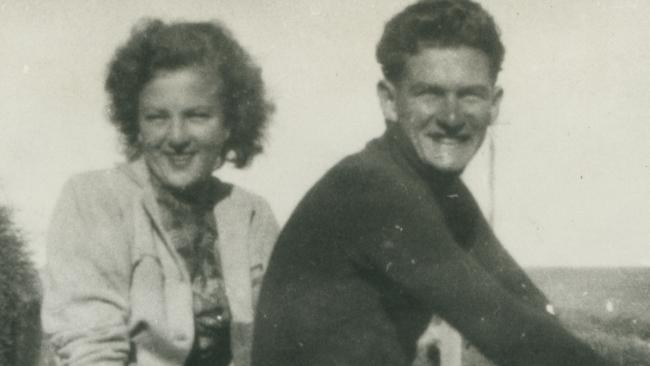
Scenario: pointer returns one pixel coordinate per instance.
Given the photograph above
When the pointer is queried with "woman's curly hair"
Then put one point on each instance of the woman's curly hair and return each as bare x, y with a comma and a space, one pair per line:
155, 45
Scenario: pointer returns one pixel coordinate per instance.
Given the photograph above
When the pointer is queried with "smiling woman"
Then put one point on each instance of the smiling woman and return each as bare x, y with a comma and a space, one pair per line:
181, 127
157, 262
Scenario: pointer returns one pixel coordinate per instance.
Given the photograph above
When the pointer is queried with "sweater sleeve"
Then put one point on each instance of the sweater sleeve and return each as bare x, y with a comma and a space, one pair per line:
399, 233
493, 257
87, 278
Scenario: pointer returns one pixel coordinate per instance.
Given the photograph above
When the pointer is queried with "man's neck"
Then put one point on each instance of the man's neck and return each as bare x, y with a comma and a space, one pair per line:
400, 143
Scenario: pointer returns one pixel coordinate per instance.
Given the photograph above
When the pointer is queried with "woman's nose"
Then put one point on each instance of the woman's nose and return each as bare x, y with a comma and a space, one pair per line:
178, 136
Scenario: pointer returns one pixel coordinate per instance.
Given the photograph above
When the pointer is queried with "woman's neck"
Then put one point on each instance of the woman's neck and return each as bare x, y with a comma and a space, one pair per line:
197, 195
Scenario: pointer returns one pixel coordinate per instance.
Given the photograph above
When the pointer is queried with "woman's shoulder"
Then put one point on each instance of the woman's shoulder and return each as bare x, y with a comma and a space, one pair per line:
241, 198
241, 193
123, 177
106, 189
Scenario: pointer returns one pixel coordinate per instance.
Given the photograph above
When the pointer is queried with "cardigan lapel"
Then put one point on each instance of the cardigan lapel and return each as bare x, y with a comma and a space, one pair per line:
233, 219
139, 173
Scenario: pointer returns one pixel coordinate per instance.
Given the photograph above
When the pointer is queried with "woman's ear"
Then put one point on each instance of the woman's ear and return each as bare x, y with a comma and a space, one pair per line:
386, 94
496, 103
229, 154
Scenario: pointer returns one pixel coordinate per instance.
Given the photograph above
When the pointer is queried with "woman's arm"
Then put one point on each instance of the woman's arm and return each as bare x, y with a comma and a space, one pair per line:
86, 280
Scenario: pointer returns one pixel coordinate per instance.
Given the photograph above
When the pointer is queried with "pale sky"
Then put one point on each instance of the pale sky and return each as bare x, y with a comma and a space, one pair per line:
572, 153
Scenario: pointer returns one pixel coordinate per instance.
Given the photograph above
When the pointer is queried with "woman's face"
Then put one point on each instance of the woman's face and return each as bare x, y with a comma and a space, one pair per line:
182, 131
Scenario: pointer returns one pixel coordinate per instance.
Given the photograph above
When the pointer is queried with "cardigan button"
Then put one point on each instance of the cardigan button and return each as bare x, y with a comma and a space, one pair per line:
181, 337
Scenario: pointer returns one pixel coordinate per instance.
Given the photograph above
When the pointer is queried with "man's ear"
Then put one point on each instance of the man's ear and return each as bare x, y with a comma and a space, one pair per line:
386, 94
496, 103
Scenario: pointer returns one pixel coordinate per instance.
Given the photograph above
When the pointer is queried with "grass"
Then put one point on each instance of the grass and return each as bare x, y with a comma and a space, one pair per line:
608, 308
623, 340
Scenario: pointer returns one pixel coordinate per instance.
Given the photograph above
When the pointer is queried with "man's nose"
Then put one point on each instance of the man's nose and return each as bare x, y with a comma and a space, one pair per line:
449, 119
178, 137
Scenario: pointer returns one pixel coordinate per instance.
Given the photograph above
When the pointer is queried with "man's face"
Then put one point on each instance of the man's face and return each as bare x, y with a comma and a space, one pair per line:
444, 103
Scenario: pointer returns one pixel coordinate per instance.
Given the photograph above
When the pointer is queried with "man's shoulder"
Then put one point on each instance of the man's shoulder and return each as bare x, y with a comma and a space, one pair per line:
371, 164
370, 180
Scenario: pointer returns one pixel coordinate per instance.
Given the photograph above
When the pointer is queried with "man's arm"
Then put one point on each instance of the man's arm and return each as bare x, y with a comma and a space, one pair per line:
400, 233
487, 250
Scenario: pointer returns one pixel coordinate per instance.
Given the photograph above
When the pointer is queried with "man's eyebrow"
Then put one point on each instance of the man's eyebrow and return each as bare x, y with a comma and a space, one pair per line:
427, 87
436, 88
474, 89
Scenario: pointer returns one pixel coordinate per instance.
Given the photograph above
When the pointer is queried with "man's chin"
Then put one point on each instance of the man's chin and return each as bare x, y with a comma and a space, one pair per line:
452, 162
449, 170
447, 166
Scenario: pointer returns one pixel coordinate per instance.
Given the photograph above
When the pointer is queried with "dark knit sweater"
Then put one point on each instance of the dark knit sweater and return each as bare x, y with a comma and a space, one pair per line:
379, 245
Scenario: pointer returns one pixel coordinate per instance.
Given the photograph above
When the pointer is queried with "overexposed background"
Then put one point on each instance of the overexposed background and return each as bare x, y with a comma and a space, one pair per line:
572, 162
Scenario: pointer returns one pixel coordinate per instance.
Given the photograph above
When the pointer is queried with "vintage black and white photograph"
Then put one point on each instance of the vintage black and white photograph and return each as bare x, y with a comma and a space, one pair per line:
324, 183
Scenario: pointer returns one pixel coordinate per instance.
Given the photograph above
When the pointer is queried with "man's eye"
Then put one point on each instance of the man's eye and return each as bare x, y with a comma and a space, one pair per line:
198, 116
473, 95
430, 93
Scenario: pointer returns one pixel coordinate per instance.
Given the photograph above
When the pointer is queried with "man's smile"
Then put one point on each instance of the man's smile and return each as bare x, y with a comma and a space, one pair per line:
445, 139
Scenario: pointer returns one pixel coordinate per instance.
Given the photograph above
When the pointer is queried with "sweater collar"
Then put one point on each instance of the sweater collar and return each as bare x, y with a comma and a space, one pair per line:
402, 150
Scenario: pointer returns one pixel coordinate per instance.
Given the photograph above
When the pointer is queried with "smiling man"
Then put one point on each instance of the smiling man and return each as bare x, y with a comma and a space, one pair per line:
390, 236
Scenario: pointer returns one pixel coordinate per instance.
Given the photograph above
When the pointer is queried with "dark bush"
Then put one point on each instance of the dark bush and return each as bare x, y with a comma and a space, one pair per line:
20, 335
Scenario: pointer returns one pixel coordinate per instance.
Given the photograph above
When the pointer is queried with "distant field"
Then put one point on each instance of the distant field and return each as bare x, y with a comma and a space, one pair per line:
604, 292
609, 308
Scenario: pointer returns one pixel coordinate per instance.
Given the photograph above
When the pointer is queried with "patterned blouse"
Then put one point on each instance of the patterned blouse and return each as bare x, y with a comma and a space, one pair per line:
189, 222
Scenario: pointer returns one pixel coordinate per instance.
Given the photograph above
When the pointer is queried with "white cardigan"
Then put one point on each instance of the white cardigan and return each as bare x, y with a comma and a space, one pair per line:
115, 290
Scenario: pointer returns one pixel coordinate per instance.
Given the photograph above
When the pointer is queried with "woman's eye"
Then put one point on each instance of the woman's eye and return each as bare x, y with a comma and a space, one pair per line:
155, 118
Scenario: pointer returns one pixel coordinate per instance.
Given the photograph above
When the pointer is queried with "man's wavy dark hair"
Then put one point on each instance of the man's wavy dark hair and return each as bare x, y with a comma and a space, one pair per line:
155, 45
438, 23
